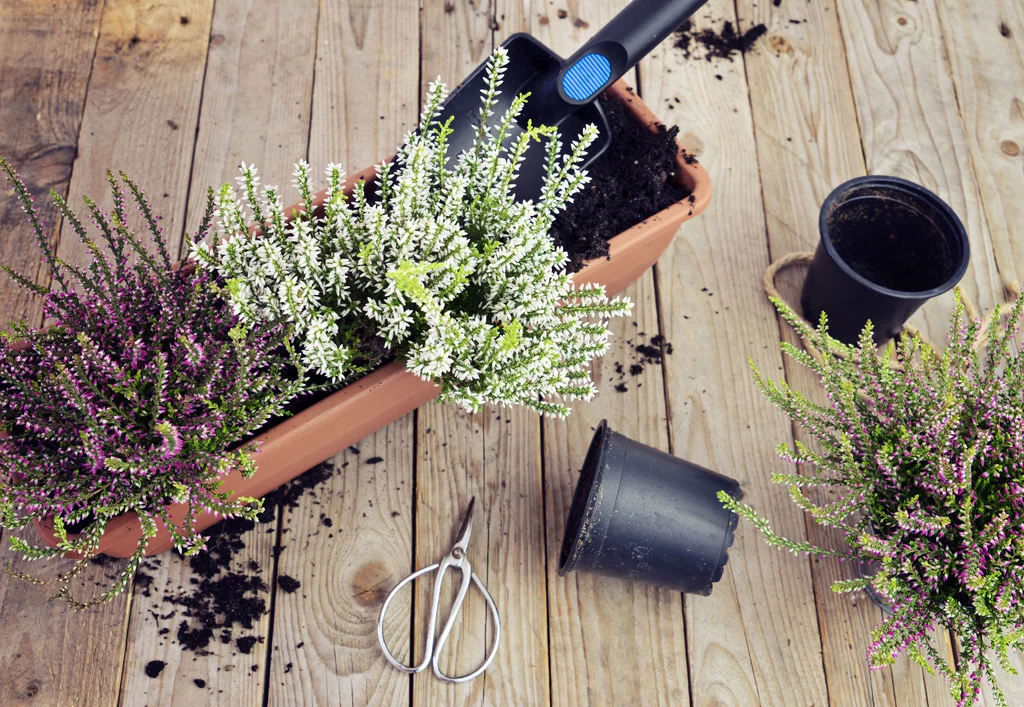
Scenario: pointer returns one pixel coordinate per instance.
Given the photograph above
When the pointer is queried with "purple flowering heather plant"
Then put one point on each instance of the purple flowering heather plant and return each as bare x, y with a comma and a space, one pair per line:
927, 463
138, 393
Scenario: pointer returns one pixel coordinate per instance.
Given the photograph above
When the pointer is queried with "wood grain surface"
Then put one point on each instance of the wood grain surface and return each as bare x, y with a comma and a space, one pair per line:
179, 94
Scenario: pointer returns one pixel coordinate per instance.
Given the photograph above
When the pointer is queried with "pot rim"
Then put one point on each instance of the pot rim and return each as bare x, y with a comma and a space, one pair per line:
583, 504
954, 228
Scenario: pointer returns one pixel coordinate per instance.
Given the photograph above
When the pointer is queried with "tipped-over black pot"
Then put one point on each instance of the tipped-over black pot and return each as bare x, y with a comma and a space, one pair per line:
641, 514
887, 247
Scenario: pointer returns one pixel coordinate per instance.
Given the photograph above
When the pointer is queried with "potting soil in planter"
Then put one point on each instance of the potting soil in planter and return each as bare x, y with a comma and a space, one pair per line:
636, 178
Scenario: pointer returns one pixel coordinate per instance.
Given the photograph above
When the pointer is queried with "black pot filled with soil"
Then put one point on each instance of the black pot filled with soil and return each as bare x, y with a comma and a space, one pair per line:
641, 514
887, 247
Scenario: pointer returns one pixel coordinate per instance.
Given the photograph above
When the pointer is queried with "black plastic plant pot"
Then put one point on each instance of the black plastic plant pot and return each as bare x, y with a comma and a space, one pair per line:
887, 247
641, 514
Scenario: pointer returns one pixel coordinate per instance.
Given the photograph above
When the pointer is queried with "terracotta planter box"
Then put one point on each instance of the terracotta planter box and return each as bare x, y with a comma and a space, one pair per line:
361, 408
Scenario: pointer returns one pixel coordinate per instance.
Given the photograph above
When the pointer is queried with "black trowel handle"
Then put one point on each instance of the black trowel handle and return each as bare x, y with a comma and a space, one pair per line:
620, 45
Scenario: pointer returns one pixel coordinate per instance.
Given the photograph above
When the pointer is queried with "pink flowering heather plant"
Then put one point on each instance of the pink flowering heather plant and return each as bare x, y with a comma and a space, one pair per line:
138, 394
927, 461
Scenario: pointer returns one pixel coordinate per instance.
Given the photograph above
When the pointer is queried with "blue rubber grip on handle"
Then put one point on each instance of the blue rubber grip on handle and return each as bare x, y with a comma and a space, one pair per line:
586, 76
619, 45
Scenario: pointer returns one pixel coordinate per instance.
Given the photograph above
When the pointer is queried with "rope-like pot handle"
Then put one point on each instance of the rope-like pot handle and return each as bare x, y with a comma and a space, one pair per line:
803, 258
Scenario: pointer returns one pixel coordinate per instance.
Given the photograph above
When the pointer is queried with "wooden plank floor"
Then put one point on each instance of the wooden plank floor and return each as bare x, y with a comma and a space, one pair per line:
179, 93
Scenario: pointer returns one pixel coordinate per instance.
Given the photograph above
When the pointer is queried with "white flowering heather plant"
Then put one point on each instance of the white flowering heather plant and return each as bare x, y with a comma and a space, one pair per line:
926, 462
440, 267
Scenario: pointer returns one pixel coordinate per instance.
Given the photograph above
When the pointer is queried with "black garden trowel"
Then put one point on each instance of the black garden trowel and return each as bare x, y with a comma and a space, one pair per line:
563, 91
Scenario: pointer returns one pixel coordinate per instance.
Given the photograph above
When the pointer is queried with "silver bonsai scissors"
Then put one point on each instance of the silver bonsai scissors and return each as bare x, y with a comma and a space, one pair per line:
456, 558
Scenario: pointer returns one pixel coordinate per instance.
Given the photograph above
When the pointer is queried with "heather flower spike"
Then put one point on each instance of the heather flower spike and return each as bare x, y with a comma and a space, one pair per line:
136, 395
925, 472
441, 268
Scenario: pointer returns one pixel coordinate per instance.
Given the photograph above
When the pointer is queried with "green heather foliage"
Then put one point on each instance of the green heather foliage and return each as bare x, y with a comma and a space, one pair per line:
443, 269
138, 393
926, 470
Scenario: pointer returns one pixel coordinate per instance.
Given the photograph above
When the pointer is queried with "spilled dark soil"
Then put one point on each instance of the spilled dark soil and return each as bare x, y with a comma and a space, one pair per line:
710, 44
220, 606
646, 352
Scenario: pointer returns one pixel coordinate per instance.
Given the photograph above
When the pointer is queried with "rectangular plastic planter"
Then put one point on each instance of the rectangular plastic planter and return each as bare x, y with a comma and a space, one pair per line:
378, 399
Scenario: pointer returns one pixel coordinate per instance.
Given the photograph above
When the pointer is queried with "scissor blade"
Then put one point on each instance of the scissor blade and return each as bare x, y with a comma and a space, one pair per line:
462, 539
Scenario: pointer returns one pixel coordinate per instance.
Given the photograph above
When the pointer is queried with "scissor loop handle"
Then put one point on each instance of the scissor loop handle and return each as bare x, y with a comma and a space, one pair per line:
467, 574
431, 651
428, 652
